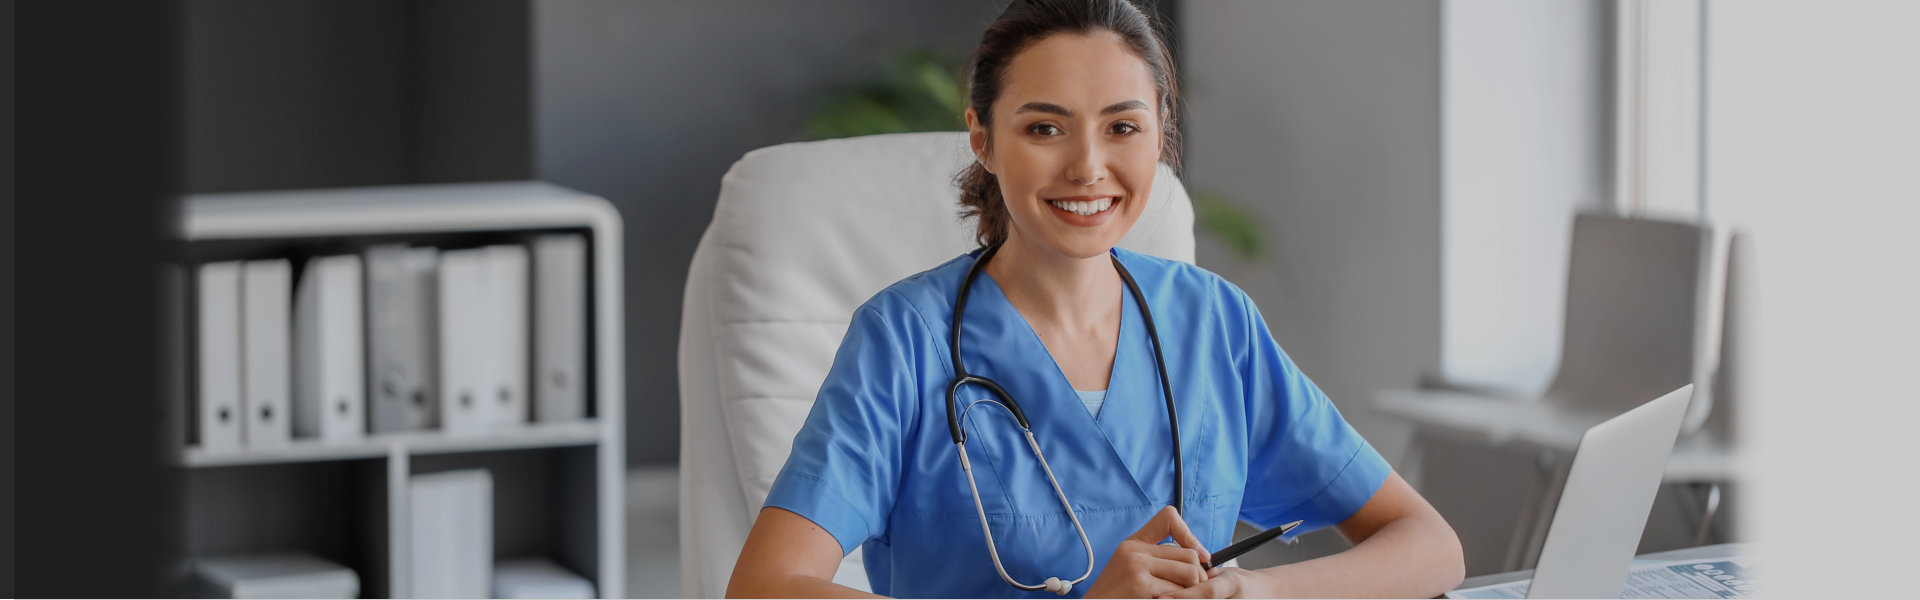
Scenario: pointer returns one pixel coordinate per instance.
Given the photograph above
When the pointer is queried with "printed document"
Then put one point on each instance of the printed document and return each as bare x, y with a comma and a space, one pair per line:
1729, 577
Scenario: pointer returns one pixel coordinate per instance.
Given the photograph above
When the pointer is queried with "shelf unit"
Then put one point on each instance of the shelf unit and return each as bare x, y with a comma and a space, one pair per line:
558, 486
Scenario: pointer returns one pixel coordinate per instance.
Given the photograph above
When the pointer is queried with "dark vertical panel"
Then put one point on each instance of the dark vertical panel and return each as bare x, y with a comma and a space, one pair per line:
101, 100
6, 312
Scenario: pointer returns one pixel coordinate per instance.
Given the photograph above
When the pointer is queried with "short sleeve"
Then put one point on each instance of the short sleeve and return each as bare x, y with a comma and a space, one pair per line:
1305, 462
845, 465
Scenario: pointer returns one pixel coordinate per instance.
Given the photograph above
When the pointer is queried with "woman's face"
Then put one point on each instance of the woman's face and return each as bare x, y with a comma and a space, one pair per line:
1075, 142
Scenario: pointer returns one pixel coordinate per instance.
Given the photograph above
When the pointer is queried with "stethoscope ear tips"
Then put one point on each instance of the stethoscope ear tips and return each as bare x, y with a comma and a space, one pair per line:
1058, 587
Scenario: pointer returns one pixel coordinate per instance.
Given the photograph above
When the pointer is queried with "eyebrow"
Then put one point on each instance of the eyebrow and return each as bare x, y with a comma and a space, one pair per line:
1049, 107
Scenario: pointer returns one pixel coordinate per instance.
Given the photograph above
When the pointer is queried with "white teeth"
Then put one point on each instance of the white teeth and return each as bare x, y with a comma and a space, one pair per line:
1087, 208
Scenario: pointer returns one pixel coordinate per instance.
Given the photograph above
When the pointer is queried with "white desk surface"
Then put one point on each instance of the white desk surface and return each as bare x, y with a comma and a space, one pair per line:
1732, 549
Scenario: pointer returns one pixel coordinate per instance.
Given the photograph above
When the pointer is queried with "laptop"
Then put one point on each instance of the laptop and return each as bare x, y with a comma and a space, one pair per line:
1609, 492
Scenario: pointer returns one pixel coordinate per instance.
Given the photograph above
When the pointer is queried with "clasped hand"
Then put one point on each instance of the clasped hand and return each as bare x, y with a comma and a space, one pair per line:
1142, 567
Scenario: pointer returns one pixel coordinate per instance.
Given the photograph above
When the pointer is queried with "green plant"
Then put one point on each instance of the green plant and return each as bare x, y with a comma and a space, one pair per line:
920, 90
1230, 224
917, 91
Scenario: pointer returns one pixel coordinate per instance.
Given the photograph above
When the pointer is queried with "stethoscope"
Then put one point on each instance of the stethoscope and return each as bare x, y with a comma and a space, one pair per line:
1005, 401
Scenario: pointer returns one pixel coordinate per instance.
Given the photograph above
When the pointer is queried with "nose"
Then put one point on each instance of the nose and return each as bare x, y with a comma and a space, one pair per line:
1088, 165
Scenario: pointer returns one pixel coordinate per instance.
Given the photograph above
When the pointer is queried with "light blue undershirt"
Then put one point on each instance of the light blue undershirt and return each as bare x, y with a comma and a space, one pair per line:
1092, 400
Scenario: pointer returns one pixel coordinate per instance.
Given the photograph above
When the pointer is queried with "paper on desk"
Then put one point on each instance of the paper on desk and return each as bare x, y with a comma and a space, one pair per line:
1727, 577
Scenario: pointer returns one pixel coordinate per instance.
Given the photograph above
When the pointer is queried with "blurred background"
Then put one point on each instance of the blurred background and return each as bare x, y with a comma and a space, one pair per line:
1395, 183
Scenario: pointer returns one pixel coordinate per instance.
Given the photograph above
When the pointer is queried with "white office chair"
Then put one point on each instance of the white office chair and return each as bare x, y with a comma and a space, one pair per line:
1636, 289
802, 235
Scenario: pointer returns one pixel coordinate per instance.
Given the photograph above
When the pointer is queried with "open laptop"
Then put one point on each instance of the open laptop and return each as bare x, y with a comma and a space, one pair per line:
1609, 492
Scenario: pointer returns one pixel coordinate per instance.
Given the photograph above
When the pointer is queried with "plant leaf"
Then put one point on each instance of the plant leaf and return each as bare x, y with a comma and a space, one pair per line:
1234, 226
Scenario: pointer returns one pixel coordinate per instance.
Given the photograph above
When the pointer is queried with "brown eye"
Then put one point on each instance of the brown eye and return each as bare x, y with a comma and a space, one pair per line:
1125, 128
1044, 129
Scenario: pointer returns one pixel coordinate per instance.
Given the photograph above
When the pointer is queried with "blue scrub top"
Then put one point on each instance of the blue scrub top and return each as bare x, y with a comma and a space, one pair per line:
875, 466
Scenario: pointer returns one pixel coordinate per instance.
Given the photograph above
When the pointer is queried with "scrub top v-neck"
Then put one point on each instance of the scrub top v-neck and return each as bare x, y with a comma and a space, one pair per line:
874, 465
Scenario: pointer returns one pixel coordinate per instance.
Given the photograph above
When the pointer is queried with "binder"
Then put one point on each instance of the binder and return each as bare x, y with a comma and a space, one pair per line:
450, 534
276, 575
265, 299
402, 314
538, 578
507, 297
329, 381
464, 350
217, 401
560, 325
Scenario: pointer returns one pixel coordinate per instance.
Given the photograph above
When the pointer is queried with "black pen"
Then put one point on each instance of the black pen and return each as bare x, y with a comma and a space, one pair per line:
1241, 547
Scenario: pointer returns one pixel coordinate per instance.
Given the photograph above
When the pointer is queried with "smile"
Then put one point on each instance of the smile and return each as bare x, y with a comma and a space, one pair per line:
1084, 208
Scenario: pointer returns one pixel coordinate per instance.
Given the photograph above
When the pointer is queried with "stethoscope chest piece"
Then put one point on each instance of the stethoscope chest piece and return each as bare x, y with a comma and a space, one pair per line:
1058, 587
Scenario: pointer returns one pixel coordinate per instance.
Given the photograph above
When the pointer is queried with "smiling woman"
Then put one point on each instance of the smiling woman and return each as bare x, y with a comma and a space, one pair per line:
1099, 45
1117, 442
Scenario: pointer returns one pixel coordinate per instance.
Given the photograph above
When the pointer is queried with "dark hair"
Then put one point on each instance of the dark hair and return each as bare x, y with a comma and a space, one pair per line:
1026, 22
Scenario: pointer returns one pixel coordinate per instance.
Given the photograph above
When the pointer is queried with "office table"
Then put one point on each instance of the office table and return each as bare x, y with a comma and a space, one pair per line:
1716, 550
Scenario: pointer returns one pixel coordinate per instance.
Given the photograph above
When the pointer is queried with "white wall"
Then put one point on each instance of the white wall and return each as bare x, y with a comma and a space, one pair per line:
1811, 148
1324, 119
1526, 116
1657, 108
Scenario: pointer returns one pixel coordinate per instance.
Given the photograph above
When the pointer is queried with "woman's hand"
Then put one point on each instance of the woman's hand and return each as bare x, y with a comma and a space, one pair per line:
1142, 568
1231, 582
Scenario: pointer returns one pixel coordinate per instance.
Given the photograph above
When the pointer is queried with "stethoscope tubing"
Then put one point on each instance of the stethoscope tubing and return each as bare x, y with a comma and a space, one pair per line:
1006, 402
1166, 387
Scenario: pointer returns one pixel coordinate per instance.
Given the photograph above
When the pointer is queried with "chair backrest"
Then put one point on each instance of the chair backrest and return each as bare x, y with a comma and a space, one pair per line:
1634, 291
1735, 318
803, 233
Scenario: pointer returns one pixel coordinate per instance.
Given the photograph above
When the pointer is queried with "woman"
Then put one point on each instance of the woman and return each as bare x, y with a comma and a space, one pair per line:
1072, 107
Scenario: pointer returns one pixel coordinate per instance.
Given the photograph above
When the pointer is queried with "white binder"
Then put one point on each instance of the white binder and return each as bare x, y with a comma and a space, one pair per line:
464, 342
217, 401
402, 314
538, 578
450, 534
507, 296
265, 301
289, 574
560, 325
329, 383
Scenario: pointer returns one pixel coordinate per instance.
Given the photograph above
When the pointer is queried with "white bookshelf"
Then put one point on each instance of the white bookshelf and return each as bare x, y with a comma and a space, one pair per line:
573, 470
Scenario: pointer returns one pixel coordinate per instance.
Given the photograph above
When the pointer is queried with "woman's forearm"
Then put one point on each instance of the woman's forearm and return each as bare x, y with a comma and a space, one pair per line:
791, 586
1415, 557
788, 556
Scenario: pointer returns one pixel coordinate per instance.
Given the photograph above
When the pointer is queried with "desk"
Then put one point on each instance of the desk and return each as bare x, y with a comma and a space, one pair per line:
1716, 550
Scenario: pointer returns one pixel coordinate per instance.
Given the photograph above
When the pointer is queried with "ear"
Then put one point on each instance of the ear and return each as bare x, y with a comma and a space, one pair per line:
977, 137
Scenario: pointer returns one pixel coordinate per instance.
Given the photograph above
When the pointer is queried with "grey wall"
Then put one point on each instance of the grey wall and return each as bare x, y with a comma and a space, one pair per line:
1418, 167
1324, 118
299, 94
328, 93
647, 104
